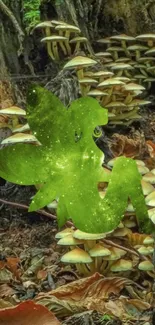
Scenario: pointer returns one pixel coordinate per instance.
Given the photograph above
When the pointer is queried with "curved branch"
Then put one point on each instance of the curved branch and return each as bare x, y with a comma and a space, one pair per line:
15, 23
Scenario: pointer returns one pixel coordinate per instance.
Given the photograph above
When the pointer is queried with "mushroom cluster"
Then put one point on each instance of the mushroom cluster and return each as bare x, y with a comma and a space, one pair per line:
116, 93
103, 253
20, 132
61, 37
138, 53
123, 249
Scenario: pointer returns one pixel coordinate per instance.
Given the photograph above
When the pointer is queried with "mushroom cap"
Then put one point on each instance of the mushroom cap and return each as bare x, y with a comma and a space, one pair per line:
150, 199
87, 81
69, 240
54, 38
139, 76
103, 73
102, 54
122, 66
58, 22
153, 171
111, 162
139, 162
110, 82
150, 51
122, 78
116, 253
149, 177
132, 86
22, 128
44, 24
99, 250
130, 208
105, 40
145, 250
146, 59
76, 255
129, 223
137, 47
142, 169
121, 232
151, 214
96, 92
146, 266
147, 188
79, 61
115, 49
122, 37
13, 110
86, 236
115, 104
20, 137
63, 233
78, 39
121, 266
146, 37
149, 80
148, 240
66, 27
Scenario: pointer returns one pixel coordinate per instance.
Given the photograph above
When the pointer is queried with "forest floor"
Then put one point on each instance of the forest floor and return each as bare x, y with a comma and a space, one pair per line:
30, 267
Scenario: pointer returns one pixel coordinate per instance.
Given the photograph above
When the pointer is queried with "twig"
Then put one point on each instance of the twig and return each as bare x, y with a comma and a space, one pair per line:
26, 207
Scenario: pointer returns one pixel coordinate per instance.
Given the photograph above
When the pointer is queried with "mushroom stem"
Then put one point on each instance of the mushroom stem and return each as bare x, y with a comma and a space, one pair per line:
128, 99
49, 49
55, 51
82, 269
123, 42
150, 43
61, 43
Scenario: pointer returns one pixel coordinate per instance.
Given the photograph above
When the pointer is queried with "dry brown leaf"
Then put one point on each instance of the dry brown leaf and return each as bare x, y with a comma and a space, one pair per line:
12, 264
92, 286
122, 145
85, 294
27, 313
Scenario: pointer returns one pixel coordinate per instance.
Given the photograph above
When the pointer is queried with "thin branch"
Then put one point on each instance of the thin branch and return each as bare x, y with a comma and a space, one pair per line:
26, 207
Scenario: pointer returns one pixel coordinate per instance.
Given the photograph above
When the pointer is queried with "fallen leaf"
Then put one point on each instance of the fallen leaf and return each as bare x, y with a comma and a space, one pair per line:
85, 294
121, 145
27, 313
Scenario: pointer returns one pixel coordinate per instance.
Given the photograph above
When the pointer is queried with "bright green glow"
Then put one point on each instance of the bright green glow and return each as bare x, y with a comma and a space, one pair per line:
69, 166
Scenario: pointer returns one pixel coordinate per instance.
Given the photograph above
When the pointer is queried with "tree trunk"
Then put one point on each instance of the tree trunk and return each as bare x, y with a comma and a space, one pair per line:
98, 18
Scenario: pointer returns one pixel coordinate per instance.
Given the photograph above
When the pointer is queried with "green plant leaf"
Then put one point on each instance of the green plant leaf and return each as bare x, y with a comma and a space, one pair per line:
68, 164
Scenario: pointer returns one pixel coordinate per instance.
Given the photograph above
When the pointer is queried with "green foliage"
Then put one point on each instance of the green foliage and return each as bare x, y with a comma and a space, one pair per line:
31, 13
69, 166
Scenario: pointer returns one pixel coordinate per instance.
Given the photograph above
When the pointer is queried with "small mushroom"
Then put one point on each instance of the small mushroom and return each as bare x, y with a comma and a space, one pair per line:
85, 85
67, 29
54, 39
78, 257
121, 266
119, 68
148, 240
147, 188
78, 41
13, 110
114, 51
149, 38
46, 26
63, 233
98, 252
146, 266
79, 63
145, 250
149, 177
20, 137
69, 240
137, 49
123, 38
22, 128
150, 199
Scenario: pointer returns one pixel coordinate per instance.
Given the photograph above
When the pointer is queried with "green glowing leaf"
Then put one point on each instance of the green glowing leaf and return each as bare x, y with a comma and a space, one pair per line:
68, 164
